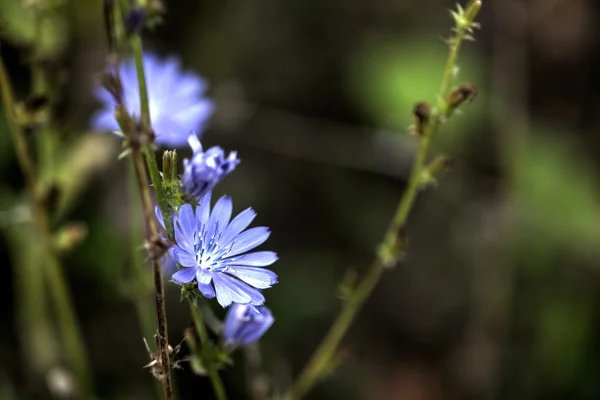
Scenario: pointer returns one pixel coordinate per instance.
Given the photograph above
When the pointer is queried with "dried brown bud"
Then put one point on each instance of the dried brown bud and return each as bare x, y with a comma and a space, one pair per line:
157, 247
113, 85
461, 94
421, 113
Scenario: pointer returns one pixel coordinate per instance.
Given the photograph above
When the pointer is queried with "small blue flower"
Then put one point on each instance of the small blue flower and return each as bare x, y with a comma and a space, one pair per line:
213, 251
245, 324
176, 103
205, 169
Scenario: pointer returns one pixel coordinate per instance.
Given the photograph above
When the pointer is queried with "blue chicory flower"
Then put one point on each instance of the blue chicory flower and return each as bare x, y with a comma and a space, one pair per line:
177, 105
213, 251
245, 324
205, 169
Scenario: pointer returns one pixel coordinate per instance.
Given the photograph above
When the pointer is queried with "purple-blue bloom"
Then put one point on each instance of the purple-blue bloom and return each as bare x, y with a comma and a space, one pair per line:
245, 324
177, 105
205, 169
213, 250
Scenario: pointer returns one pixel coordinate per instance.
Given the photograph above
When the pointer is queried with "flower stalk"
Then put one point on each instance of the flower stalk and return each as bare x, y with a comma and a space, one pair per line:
393, 242
207, 357
163, 203
67, 320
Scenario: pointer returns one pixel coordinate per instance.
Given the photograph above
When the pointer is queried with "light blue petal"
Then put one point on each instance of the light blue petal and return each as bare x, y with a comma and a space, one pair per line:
252, 332
194, 143
203, 212
185, 229
203, 277
159, 216
104, 120
182, 256
228, 293
234, 320
187, 220
196, 115
219, 217
239, 223
184, 275
257, 277
257, 259
248, 240
239, 291
207, 290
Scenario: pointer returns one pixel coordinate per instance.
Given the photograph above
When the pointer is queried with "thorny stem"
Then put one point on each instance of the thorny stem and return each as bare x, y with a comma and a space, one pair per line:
70, 332
319, 364
151, 229
152, 236
141, 286
207, 361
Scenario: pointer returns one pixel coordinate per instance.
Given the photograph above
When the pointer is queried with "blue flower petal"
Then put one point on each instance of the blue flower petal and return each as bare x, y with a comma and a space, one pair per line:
256, 297
227, 292
184, 275
249, 239
219, 218
159, 216
184, 223
245, 324
257, 259
207, 290
182, 256
203, 277
250, 334
235, 319
203, 211
239, 223
257, 277
177, 105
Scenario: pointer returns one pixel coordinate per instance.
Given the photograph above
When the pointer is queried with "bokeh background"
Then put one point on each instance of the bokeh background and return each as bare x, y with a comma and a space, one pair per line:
499, 296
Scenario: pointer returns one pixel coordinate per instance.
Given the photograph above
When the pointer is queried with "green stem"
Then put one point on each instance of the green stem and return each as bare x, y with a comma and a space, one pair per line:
69, 329
136, 44
207, 360
140, 283
163, 204
152, 236
320, 362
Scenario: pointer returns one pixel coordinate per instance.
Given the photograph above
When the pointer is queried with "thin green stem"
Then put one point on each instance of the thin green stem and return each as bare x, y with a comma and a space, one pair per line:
207, 360
320, 362
136, 44
140, 283
69, 329
152, 236
163, 204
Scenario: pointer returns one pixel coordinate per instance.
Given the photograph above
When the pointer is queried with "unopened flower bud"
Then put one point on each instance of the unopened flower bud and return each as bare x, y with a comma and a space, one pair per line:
134, 21
421, 113
205, 169
245, 324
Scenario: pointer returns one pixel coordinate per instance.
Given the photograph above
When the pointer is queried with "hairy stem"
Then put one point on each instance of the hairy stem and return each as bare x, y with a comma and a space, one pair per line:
207, 360
152, 233
320, 362
151, 237
71, 336
140, 282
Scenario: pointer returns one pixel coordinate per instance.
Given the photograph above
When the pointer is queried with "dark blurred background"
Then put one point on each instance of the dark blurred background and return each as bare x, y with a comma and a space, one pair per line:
499, 295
